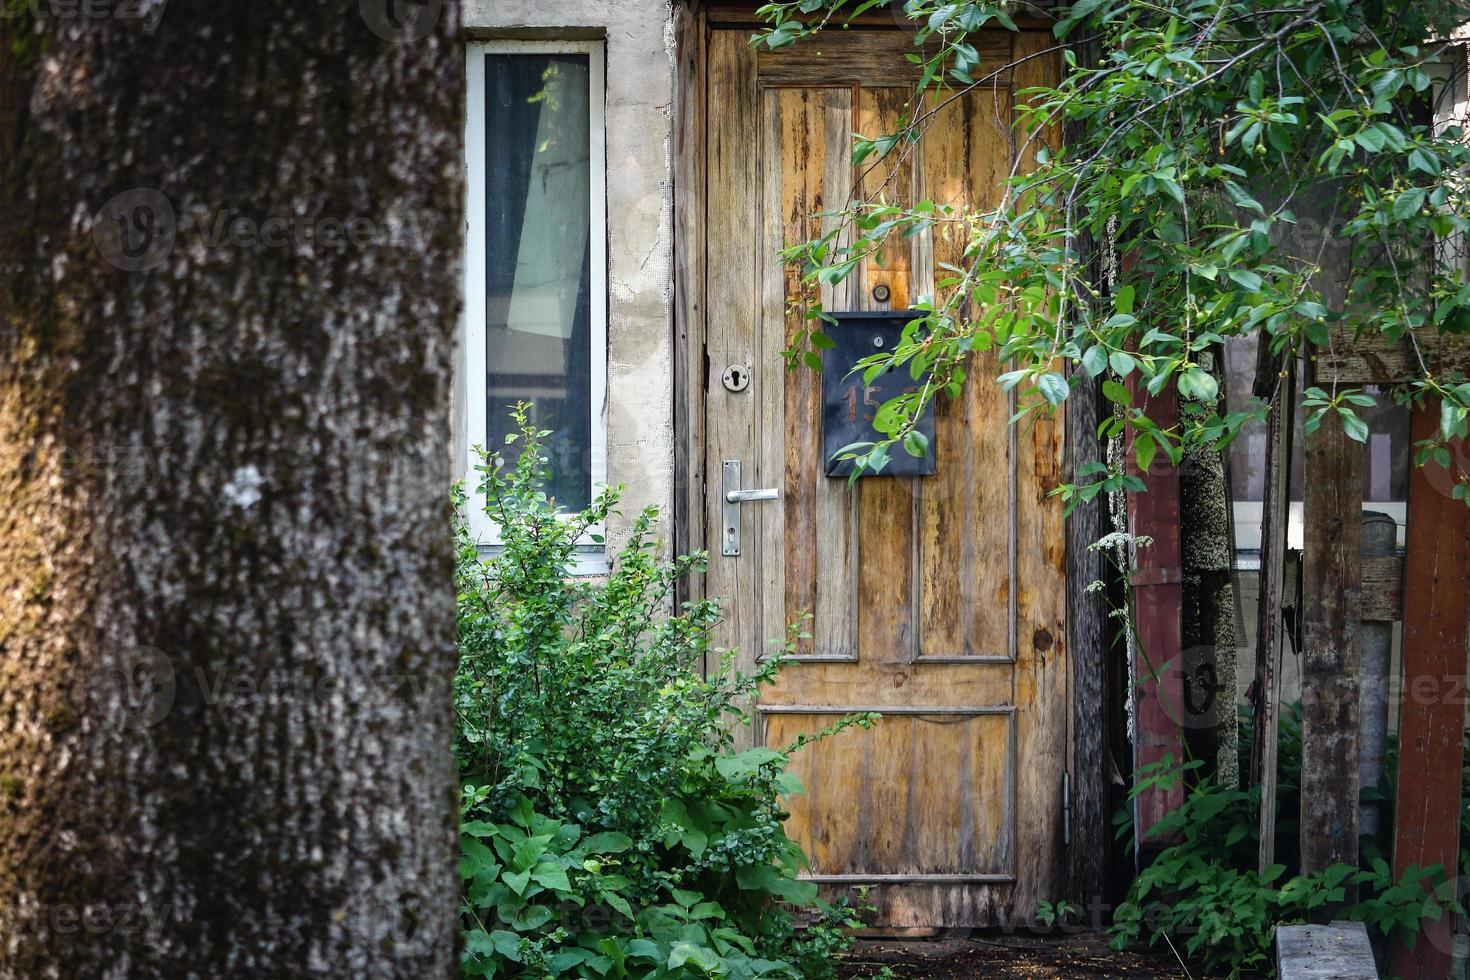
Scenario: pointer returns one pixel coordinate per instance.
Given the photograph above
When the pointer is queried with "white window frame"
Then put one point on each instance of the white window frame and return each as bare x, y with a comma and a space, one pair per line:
591, 552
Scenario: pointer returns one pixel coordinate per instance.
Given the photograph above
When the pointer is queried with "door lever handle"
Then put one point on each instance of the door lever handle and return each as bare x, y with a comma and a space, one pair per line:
745, 496
734, 497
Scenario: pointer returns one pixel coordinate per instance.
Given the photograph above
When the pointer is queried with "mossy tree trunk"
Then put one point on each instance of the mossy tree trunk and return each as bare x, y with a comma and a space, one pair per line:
229, 257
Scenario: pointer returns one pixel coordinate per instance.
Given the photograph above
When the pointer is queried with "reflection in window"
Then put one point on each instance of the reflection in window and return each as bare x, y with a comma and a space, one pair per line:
538, 302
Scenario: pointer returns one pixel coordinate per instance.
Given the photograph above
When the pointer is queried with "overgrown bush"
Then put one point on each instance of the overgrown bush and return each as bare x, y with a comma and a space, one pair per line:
1205, 895
609, 829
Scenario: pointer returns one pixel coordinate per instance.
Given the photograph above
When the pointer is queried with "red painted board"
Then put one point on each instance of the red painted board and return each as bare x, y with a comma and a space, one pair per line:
1158, 688
1432, 712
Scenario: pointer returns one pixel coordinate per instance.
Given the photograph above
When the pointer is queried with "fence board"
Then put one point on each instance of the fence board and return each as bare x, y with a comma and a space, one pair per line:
1432, 714
1331, 598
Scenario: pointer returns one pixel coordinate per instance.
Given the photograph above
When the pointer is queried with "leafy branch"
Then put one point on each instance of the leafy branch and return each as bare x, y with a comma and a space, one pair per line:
1265, 169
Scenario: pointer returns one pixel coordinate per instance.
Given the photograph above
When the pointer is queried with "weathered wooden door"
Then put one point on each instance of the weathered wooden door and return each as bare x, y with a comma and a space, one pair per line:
938, 601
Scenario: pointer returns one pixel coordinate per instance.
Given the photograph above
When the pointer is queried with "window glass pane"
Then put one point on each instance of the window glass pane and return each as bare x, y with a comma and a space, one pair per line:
538, 303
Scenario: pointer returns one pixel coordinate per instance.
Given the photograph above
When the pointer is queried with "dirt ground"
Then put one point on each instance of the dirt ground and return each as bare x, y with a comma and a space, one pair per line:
1005, 956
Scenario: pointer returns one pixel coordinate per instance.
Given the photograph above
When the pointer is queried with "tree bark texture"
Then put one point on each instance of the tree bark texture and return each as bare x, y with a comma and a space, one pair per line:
229, 277
1091, 644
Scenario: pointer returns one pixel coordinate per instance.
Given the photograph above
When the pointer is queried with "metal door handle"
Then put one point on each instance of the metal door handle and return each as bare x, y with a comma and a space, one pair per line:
745, 496
734, 497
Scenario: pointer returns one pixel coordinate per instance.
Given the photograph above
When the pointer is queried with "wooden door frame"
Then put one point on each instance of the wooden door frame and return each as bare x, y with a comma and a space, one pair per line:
691, 32
1087, 812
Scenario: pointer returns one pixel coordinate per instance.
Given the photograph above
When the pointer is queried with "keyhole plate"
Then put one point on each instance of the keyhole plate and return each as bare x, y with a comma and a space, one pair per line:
737, 377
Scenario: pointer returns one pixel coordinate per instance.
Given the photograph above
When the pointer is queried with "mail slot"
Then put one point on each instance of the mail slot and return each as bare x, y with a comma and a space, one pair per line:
849, 404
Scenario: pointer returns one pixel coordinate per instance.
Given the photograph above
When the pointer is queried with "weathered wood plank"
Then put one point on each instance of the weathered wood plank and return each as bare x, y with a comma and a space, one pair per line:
964, 512
835, 625
883, 686
807, 133
733, 319
1371, 359
1340, 951
1040, 638
789, 403
887, 581
742, 13
919, 794
1270, 628
1332, 589
1089, 645
872, 59
1158, 681
1090, 630
1432, 712
689, 256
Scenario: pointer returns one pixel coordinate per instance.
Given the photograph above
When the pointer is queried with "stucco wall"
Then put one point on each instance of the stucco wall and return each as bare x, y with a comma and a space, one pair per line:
639, 96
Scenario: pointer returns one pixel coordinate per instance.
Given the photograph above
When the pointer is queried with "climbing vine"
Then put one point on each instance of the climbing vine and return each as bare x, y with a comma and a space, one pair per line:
1201, 138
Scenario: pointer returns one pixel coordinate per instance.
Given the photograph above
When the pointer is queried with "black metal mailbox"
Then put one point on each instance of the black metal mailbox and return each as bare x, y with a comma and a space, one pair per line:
849, 405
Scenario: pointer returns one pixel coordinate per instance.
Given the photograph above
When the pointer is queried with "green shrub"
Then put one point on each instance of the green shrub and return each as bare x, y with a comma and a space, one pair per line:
609, 829
1205, 895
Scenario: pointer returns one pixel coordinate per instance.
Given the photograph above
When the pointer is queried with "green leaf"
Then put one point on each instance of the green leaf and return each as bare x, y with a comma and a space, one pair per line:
1407, 204
684, 897
478, 828
1095, 360
771, 880
551, 876
507, 944
1053, 387
737, 767
1144, 451
1371, 140
1423, 161
607, 842
517, 881
1355, 428
1122, 364
1199, 385
1245, 279
706, 959
1115, 392
1123, 302
1450, 418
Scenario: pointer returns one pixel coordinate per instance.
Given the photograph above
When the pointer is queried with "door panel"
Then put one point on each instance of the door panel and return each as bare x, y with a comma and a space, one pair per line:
937, 600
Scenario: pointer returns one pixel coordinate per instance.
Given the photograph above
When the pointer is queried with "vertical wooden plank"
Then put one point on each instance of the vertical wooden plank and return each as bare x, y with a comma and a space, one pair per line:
1270, 628
1333, 505
787, 531
889, 180
886, 579
1090, 629
835, 622
812, 541
1156, 579
1089, 645
733, 319
963, 508
1436, 593
1039, 633
689, 255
